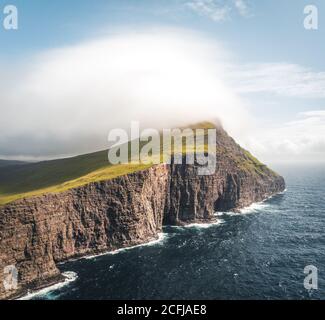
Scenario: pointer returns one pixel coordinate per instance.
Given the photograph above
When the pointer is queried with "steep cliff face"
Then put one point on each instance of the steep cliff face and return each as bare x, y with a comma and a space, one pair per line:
37, 233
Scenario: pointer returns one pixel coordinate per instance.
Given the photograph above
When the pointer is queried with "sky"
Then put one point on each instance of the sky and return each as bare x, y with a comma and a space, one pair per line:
74, 70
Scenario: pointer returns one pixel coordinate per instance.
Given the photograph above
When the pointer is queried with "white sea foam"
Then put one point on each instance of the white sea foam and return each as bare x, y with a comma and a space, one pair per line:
199, 225
70, 276
283, 192
253, 208
204, 225
219, 214
161, 238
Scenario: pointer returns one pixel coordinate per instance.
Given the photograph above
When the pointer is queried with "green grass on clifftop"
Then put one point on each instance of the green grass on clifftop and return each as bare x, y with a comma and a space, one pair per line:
21, 180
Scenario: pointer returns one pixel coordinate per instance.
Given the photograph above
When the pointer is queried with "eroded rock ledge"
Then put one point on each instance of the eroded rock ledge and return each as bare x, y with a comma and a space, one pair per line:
38, 233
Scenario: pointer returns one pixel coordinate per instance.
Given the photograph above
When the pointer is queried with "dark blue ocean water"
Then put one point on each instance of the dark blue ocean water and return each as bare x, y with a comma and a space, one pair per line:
260, 254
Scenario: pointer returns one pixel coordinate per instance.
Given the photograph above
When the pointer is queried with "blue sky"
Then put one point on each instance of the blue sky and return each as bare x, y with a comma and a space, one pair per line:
265, 41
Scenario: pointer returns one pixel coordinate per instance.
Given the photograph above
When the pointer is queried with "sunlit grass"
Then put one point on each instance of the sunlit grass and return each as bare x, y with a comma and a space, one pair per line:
64, 174
108, 173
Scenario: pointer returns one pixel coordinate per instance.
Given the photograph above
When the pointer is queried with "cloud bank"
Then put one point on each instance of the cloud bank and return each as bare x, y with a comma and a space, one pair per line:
65, 101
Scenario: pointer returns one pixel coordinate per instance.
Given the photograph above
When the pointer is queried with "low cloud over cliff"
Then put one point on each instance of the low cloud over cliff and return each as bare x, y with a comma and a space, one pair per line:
65, 100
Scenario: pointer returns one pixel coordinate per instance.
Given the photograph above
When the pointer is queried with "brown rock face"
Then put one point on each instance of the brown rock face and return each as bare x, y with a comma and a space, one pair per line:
37, 233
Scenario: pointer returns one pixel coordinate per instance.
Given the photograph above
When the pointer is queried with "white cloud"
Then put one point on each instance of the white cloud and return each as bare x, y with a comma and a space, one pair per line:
302, 139
218, 10
243, 8
282, 79
66, 100
211, 9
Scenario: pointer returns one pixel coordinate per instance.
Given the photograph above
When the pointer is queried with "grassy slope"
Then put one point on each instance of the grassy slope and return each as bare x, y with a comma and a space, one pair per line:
58, 175
33, 179
7, 163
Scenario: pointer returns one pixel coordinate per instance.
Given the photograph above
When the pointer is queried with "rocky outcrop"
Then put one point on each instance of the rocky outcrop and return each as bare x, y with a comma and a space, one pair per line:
37, 233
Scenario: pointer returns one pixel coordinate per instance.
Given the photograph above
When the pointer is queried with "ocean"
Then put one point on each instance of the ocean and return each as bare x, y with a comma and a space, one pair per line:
258, 254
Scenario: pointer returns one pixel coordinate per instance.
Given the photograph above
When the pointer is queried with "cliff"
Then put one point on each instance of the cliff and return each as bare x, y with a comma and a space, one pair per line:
39, 232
